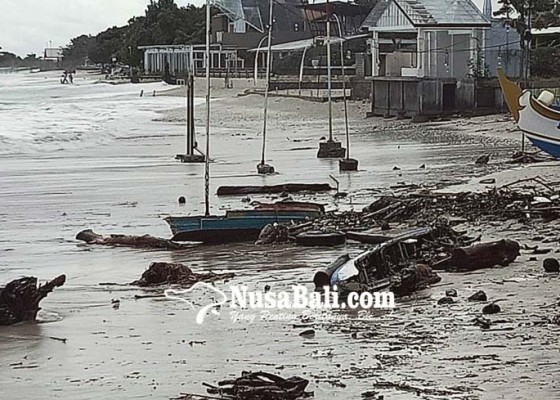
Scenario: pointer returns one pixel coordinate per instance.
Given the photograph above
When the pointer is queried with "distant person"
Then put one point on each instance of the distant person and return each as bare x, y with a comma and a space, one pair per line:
64, 78
71, 77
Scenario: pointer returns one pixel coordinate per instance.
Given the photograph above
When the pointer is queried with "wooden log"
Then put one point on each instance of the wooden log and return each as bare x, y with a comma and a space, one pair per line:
484, 255
144, 242
285, 188
19, 299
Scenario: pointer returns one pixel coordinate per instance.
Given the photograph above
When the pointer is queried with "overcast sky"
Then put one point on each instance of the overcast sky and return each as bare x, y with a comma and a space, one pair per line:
29, 25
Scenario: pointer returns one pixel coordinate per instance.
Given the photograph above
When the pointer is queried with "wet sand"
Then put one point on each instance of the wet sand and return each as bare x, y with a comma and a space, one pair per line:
149, 348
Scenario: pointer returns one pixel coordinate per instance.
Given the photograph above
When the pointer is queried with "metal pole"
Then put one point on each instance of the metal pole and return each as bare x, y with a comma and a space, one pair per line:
329, 77
256, 73
343, 85
207, 164
301, 69
268, 62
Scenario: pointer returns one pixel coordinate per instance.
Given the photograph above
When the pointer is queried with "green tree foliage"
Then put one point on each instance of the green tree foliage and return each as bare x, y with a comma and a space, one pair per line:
163, 23
542, 13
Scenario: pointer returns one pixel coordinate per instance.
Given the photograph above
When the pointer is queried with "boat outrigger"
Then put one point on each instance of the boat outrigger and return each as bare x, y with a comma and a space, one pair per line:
536, 117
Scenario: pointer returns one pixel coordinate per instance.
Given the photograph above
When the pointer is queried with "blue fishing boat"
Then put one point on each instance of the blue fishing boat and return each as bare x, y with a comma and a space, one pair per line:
240, 225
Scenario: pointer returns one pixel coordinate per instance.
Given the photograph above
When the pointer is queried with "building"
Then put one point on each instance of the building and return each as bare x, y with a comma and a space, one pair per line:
502, 46
424, 55
183, 58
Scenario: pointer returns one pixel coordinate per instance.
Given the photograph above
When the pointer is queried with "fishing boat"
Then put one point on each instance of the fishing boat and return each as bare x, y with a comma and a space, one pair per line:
235, 225
536, 117
240, 225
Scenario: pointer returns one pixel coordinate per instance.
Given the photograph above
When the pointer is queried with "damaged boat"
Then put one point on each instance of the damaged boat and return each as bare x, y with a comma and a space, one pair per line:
241, 225
394, 265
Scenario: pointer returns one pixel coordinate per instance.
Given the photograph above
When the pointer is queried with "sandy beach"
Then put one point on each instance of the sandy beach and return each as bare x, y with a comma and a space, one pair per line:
100, 156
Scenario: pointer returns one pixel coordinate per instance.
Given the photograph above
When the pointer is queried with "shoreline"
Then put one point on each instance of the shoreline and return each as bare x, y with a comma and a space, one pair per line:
142, 349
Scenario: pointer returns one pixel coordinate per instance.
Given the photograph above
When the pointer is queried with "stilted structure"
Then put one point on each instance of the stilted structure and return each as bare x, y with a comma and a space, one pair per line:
192, 154
330, 148
264, 168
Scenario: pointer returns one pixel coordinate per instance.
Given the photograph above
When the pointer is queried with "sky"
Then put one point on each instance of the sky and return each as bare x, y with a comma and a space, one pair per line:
28, 26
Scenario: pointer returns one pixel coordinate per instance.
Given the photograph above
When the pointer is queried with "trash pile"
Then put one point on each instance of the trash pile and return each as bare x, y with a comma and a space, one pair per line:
257, 386
162, 273
538, 201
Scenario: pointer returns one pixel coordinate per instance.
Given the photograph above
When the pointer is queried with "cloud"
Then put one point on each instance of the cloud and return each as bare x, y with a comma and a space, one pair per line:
30, 25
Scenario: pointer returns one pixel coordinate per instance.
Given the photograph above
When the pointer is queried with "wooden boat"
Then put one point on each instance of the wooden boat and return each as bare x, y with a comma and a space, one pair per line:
539, 122
240, 225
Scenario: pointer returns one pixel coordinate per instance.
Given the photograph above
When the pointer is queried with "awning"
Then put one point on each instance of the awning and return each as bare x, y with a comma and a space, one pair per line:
306, 43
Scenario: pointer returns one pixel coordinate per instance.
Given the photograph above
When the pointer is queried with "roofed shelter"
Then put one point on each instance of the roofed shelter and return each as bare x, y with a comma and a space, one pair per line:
424, 54
425, 38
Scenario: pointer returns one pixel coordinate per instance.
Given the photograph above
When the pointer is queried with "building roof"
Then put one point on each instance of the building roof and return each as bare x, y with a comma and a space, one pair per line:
426, 13
305, 43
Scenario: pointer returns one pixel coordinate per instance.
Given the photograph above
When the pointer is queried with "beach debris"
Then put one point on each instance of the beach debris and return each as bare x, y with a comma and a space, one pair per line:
182, 200
20, 298
144, 242
308, 334
483, 160
394, 265
478, 296
446, 300
491, 308
162, 273
260, 386
287, 187
274, 234
313, 239
484, 255
529, 158
488, 181
551, 265
451, 293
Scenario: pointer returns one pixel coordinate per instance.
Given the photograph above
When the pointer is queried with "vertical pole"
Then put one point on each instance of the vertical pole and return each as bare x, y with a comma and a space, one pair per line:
191, 95
329, 77
341, 36
188, 125
301, 69
207, 164
268, 62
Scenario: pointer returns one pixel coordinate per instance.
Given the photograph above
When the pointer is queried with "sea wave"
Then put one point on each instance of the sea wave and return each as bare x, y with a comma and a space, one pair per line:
38, 114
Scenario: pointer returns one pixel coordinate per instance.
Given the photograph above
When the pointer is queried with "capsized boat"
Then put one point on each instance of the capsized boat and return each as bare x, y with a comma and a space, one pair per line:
240, 225
535, 117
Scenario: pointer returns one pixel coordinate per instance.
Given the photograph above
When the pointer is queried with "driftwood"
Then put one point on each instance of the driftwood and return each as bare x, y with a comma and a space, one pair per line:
484, 255
261, 386
285, 188
161, 273
19, 299
143, 242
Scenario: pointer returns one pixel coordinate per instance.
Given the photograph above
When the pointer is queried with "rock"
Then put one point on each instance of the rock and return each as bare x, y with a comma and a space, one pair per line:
489, 181
491, 308
446, 300
478, 296
423, 166
309, 333
451, 293
483, 160
182, 200
551, 265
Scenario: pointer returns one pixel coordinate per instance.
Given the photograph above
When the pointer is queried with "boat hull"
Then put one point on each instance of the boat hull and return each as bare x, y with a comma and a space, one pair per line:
540, 123
235, 226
